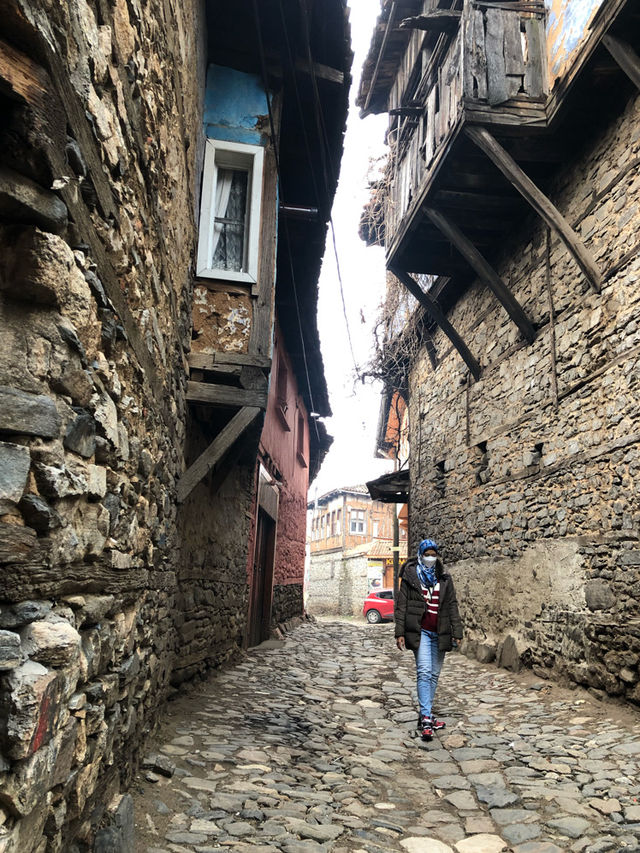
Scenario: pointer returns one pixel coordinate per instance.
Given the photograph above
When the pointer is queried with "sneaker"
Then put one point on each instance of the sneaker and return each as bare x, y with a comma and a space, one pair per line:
426, 728
437, 725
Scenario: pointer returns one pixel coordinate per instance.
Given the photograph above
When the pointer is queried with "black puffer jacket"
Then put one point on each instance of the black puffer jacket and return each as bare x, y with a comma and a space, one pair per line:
410, 608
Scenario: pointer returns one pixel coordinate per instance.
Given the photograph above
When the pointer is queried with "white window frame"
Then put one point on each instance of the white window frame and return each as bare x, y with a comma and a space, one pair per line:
230, 155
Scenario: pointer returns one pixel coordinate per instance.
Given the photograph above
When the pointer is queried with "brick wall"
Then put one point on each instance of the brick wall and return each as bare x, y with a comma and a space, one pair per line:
538, 508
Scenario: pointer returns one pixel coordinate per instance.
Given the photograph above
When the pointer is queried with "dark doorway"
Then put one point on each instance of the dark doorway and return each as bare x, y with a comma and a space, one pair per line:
262, 581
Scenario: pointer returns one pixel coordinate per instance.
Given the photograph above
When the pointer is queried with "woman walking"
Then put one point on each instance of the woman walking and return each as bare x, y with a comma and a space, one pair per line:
428, 623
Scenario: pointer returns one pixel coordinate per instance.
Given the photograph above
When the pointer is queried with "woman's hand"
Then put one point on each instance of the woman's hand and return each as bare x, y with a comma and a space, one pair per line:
400, 643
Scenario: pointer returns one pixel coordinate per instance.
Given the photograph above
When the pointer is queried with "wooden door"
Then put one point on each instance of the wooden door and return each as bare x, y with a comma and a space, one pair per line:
262, 582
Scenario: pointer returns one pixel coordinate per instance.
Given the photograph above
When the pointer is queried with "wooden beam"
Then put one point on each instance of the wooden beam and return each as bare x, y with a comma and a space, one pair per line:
407, 112
225, 395
484, 270
539, 201
211, 361
216, 450
437, 21
438, 316
625, 56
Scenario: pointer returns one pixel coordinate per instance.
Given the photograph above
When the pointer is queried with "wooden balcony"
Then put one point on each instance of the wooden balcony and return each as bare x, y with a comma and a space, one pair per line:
488, 70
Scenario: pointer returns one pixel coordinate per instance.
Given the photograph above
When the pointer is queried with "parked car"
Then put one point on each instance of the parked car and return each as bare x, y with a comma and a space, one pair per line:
378, 605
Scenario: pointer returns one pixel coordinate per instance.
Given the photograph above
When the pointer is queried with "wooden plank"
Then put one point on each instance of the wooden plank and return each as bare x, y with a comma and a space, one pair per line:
625, 56
435, 21
438, 316
539, 201
534, 71
498, 91
224, 395
513, 58
264, 303
209, 361
216, 450
476, 56
485, 271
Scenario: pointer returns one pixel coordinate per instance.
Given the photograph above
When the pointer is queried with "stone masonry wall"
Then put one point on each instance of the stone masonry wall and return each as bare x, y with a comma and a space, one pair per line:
534, 494
98, 174
214, 528
337, 583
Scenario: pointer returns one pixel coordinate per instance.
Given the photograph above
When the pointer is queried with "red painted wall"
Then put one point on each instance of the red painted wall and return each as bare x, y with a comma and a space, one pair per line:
284, 452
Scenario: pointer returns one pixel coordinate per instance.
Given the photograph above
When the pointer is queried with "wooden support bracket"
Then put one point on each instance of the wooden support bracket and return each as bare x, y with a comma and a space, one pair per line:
438, 316
625, 56
225, 395
539, 201
216, 450
484, 270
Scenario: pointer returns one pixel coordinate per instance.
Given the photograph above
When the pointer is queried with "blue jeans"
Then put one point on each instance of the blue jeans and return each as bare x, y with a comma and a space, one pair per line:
429, 661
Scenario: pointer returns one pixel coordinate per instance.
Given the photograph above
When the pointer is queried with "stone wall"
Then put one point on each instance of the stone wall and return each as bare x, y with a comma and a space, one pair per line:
529, 477
98, 178
337, 583
287, 602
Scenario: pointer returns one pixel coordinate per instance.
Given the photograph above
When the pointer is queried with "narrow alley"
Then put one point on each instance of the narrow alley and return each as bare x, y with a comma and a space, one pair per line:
309, 745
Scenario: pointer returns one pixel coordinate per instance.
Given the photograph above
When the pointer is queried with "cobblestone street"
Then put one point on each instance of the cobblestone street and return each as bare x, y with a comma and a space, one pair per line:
309, 745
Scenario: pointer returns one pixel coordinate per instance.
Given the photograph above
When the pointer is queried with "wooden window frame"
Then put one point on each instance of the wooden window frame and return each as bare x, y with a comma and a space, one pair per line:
230, 155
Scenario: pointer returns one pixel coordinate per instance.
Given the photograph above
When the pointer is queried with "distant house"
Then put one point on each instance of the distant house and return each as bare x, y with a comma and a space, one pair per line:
350, 539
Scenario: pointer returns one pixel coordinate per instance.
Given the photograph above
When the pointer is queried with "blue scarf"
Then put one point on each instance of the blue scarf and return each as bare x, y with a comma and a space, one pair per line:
426, 574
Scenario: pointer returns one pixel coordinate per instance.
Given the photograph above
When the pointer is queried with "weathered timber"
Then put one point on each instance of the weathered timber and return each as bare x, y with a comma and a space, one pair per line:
498, 91
484, 270
475, 66
539, 201
211, 361
625, 56
224, 395
216, 450
436, 21
264, 303
438, 316
407, 112
535, 83
254, 378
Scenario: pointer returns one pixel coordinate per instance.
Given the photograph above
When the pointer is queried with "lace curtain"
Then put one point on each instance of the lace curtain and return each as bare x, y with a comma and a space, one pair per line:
230, 219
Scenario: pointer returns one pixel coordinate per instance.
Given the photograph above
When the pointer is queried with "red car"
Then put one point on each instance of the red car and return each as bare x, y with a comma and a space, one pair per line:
378, 606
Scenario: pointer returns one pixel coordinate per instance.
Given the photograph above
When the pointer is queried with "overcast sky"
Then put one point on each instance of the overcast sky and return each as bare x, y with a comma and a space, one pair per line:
355, 406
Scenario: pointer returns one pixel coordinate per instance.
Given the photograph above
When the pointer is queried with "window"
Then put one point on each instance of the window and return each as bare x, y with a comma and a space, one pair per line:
281, 394
333, 523
357, 521
339, 523
230, 211
300, 441
376, 529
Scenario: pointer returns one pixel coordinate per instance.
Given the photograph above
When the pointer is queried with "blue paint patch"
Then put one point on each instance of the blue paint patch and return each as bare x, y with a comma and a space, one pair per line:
234, 105
567, 27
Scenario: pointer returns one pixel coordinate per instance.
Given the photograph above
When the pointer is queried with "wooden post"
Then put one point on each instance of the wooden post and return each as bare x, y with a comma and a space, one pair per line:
216, 450
484, 270
438, 316
538, 200
625, 56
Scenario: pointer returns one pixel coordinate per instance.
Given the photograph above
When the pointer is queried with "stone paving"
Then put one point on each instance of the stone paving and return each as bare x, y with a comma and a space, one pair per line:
309, 745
